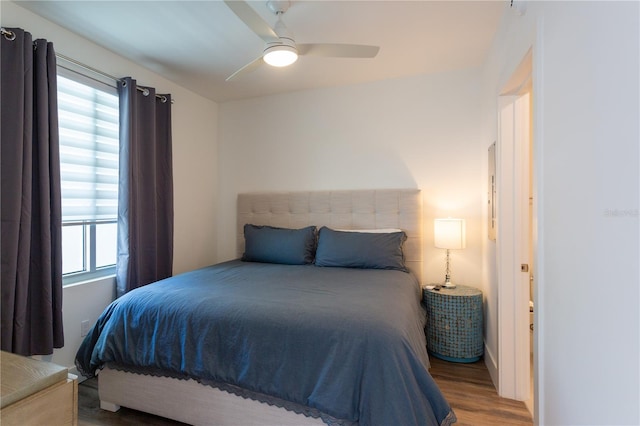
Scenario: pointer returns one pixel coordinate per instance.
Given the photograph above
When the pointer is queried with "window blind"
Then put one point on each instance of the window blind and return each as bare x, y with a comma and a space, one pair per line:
88, 125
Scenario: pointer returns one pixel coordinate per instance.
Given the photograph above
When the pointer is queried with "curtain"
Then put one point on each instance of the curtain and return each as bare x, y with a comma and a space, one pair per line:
145, 204
31, 227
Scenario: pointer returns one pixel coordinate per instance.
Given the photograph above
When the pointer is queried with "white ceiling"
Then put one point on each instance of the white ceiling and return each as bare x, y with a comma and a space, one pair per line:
198, 44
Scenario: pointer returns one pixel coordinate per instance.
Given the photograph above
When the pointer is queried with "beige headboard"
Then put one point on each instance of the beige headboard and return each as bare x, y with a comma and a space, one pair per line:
358, 209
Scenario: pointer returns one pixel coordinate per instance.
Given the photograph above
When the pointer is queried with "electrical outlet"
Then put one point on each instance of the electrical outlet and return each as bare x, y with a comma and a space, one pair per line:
84, 328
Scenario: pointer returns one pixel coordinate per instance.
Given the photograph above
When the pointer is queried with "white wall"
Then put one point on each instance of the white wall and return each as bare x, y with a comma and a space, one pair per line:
413, 132
194, 123
586, 109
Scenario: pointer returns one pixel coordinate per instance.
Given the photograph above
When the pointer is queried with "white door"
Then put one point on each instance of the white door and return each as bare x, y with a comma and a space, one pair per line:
512, 242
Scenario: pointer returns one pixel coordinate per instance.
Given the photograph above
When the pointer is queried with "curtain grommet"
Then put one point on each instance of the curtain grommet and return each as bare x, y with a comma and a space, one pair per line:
9, 35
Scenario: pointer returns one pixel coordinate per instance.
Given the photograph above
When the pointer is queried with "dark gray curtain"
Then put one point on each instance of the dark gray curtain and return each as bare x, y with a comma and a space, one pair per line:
145, 205
31, 204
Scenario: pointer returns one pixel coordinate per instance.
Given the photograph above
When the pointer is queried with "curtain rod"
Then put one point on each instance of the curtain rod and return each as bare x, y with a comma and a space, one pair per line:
86, 67
10, 35
144, 90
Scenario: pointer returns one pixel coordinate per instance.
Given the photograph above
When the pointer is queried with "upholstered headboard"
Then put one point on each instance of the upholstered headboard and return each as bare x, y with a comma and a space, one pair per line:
358, 209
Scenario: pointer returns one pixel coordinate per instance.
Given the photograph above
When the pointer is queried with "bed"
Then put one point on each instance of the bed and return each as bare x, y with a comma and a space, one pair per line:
315, 325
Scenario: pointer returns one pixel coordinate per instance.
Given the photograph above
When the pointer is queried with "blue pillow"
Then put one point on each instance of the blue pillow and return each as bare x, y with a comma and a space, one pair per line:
269, 244
360, 249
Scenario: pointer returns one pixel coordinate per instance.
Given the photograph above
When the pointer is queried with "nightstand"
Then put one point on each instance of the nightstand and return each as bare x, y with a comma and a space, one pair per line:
454, 323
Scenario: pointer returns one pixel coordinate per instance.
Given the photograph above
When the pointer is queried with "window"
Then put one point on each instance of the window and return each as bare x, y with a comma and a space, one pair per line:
89, 140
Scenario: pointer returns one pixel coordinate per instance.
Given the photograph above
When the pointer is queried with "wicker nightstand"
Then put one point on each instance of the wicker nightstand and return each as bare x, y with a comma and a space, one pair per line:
454, 323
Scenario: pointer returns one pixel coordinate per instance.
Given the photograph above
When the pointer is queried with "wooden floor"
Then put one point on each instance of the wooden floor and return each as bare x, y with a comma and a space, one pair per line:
471, 394
467, 387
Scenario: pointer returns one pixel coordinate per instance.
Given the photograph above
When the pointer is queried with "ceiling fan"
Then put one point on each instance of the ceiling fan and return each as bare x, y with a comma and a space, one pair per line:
281, 48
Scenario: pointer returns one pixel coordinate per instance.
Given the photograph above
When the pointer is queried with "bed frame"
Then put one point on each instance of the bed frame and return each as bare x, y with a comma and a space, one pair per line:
191, 402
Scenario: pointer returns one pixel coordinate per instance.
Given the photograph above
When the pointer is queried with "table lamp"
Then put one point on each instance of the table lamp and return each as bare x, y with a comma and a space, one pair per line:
449, 234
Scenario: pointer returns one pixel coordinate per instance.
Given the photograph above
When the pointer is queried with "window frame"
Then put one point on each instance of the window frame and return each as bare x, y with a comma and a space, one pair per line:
90, 270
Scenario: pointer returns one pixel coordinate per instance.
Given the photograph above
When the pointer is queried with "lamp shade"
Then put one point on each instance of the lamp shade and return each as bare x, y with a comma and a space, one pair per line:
449, 233
280, 55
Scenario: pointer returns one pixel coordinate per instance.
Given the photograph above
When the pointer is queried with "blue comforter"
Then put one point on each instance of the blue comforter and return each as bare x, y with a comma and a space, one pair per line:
345, 345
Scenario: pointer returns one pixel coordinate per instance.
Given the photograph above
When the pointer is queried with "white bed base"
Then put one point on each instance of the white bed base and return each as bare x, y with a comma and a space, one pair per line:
191, 402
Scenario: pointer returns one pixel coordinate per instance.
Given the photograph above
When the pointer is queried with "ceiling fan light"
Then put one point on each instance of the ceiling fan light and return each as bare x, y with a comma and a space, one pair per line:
280, 56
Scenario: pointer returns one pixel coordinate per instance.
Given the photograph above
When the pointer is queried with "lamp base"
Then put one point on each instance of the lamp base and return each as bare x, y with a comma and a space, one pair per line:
447, 280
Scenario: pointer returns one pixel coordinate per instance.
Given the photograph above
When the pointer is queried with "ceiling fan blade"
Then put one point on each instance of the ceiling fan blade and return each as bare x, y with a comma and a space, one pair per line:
252, 20
250, 67
338, 50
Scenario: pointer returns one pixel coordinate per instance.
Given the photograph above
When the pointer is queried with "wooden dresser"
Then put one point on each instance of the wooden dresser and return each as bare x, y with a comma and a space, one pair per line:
36, 392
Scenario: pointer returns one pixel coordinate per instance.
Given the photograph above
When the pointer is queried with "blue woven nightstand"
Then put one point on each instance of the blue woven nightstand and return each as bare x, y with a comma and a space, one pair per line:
454, 323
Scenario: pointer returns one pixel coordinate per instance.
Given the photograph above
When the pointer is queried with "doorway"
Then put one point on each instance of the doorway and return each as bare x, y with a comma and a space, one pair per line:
516, 238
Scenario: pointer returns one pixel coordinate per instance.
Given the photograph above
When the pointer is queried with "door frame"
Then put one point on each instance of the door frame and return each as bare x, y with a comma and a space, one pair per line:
515, 115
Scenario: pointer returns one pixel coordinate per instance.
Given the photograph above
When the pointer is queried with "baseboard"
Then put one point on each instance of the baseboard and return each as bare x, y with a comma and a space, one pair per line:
492, 366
